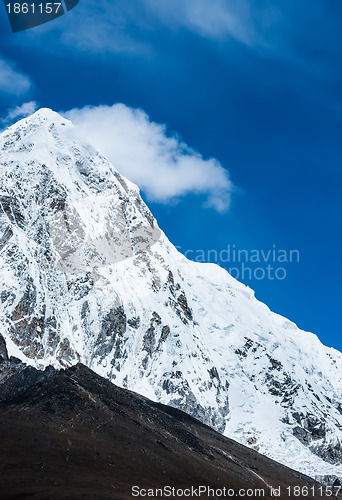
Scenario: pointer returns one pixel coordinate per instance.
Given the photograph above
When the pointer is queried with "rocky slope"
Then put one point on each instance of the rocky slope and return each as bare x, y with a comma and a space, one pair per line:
86, 275
76, 435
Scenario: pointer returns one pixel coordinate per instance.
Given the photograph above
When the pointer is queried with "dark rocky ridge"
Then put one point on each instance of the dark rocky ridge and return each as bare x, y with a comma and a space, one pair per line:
15, 376
73, 435
3, 349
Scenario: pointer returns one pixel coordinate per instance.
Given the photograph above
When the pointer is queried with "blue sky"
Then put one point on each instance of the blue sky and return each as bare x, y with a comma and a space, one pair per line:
242, 107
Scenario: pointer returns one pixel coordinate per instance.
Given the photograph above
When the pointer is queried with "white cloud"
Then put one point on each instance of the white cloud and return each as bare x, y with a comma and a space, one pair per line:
105, 27
12, 81
26, 109
101, 27
162, 165
210, 18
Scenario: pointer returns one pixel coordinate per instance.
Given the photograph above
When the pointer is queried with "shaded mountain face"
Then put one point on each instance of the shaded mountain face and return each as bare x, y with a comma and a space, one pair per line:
86, 275
77, 435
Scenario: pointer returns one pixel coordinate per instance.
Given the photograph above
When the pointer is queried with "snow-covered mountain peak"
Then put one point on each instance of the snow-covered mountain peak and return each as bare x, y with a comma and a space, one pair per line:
49, 141
87, 275
42, 123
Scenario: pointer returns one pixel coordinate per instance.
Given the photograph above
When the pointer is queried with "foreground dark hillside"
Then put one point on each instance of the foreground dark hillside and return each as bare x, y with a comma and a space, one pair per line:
76, 435
88, 276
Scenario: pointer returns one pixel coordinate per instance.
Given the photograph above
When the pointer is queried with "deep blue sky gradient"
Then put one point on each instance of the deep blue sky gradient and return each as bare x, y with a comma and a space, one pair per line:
269, 112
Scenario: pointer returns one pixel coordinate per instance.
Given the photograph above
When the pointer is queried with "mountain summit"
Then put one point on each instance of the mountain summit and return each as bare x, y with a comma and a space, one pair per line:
86, 275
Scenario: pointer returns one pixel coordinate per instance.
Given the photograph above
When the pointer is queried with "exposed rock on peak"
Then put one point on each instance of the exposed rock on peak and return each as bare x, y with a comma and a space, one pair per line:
3, 349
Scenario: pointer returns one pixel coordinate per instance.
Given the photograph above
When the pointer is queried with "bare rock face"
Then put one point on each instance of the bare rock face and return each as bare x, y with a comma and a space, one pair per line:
20, 377
87, 275
3, 349
16, 376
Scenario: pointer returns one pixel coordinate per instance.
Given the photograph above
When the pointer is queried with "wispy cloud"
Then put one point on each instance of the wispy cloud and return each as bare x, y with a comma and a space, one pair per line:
161, 164
12, 80
104, 26
107, 27
25, 109
213, 19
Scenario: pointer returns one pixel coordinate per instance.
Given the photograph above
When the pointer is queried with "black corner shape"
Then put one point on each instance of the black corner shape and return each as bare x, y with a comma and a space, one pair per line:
70, 4
24, 14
